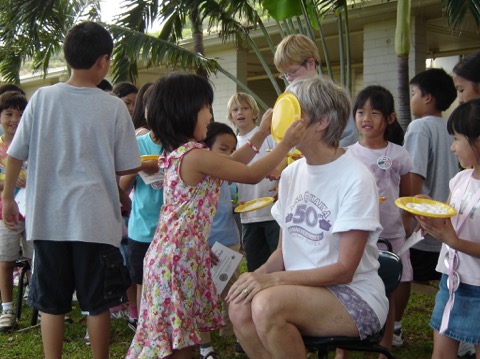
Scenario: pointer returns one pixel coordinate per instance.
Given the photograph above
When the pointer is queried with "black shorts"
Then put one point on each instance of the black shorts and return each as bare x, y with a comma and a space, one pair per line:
136, 253
94, 270
423, 264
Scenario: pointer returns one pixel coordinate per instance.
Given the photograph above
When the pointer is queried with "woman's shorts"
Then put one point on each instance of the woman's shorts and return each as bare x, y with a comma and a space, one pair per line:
361, 313
10, 242
464, 322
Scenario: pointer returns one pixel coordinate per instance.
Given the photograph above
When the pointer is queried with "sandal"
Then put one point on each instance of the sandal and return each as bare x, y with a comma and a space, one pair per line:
210, 355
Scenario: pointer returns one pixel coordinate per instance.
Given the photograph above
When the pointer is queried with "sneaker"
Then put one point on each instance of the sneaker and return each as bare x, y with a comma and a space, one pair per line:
466, 350
8, 321
86, 338
397, 340
210, 355
132, 324
26, 292
119, 314
238, 349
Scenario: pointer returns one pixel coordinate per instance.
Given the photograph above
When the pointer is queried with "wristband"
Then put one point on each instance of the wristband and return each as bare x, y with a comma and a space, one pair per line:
252, 146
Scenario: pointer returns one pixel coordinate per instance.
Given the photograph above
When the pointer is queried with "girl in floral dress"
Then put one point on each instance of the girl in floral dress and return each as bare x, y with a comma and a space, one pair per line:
179, 298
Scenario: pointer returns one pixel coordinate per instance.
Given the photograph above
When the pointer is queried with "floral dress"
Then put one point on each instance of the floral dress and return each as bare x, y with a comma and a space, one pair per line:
179, 298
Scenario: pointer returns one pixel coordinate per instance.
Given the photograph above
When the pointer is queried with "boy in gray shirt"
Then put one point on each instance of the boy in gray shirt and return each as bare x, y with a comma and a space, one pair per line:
76, 139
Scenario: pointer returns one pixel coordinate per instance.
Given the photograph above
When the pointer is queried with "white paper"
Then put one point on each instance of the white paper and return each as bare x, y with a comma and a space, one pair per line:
228, 261
149, 179
411, 241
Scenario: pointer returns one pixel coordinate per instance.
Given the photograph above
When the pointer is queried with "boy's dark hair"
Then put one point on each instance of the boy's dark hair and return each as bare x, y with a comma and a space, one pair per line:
381, 100
173, 107
105, 85
465, 120
11, 87
125, 88
215, 129
12, 99
437, 83
85, 43
469, 67
138, 116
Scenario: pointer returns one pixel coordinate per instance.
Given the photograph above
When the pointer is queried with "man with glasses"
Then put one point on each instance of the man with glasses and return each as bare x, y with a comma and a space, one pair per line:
297, 57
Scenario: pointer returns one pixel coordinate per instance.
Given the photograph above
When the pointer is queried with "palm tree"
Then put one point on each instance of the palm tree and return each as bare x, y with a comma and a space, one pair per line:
456, 11
35, 30
402, 49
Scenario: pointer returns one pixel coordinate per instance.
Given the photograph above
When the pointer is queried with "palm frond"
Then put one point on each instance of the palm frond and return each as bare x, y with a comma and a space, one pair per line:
151, 51
456, 11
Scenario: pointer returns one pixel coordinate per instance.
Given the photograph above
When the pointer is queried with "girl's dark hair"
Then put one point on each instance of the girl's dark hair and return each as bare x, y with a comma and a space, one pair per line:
138, 116
122, 89
173, 107
11, 87
215, 129
465, 120
12, 99
381, 100
469, 67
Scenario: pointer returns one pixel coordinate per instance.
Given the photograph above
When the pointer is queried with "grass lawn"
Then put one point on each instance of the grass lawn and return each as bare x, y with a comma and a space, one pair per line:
27, 344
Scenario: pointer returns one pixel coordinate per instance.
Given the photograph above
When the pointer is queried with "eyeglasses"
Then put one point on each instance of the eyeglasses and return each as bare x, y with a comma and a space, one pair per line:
287, 75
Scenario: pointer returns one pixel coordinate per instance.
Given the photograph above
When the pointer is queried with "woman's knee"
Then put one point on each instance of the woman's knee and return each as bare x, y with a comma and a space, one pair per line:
239, 314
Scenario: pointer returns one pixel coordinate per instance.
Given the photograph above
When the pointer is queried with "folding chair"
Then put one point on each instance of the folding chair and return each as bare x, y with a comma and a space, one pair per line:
390, 271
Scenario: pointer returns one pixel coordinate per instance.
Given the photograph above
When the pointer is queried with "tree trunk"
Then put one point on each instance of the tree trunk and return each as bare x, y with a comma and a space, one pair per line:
403, 103
197, 37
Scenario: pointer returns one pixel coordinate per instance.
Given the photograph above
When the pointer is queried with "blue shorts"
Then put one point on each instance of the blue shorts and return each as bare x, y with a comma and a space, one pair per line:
94, 270
464, 322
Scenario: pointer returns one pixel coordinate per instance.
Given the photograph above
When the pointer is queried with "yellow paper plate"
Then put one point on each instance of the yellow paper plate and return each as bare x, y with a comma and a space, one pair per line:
425, 207
285, 112
148, 158
254, 205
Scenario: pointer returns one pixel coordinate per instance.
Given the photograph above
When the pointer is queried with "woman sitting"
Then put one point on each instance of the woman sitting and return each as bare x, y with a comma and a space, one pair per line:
322, 280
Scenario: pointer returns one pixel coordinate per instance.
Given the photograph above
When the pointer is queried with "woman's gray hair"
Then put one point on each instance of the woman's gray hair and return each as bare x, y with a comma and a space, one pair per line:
320, 98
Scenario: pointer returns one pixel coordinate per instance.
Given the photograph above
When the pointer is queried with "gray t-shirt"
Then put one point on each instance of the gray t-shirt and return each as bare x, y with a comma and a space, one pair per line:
75, 139
428, 143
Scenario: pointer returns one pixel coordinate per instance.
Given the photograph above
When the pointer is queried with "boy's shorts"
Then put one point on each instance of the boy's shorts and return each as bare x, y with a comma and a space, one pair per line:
424, 264
135, 254
10, 242
397, 244
94, 270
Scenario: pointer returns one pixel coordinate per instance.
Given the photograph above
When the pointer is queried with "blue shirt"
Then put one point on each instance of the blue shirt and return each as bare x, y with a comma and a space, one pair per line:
147, 199
224, 228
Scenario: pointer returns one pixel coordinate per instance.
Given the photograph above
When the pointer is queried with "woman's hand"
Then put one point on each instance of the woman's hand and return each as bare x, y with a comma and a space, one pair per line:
247, 286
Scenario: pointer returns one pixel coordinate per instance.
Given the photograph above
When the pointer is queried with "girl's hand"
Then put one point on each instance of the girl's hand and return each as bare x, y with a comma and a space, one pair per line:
266, 122
21, 182
150, 167
294, 133
440, 228
247, 286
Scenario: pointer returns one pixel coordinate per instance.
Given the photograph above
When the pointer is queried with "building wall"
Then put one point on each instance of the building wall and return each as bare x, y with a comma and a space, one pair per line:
380, 59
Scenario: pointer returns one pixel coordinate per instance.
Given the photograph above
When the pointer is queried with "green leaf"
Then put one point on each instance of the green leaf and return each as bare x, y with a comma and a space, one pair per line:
282, 9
